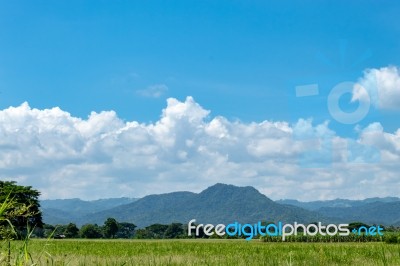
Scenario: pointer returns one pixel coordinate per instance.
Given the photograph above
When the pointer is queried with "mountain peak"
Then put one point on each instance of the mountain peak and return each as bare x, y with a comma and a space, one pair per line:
222, 186
231, 192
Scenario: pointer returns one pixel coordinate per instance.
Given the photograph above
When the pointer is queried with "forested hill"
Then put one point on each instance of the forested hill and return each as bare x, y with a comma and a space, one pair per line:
217, 204
220, 203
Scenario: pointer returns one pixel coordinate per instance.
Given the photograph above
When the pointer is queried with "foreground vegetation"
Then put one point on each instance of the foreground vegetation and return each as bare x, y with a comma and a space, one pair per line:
202, 252
21, 228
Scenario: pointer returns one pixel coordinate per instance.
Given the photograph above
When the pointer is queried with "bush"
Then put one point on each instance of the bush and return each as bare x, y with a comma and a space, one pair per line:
392, 238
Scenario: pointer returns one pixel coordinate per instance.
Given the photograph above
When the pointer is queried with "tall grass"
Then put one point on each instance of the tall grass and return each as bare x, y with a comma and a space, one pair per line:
392, 236
12, 254
208, 252
191, 251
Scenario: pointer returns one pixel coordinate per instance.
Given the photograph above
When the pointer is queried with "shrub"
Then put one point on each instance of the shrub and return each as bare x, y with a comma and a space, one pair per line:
392, 239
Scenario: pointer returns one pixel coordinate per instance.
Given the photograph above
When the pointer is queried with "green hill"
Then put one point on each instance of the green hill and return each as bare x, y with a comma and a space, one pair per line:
63, 211
217, 204
385, 213
336, 203
220, 204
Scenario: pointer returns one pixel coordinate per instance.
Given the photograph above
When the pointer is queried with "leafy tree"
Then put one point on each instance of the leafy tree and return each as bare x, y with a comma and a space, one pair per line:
125, 230
48, 230
6, 229
142, 234
59, 229
24, 210
156, 230
38, 232
71, 231
152, 231
110, 228
174, 230
90, 231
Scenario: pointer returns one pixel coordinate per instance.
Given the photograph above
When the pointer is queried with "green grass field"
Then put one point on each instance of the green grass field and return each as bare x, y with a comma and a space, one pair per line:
203, 252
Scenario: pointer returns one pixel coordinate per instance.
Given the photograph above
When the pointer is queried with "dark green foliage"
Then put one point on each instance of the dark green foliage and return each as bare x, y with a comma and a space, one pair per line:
142, 234
110, 228
59, 229
174, 230
71, 231
392, 238
162, 231
125, 230
48, 230
38, 233
91, 231
25, 203
156, 230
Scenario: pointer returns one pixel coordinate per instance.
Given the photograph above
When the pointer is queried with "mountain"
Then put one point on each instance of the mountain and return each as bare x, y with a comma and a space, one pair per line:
63, 211
385, 213
220, 204
217, 204
340, 203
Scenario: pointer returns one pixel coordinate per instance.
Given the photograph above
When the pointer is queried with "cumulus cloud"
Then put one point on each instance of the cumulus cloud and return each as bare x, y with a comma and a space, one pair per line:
153, 91
187, 149
379, 86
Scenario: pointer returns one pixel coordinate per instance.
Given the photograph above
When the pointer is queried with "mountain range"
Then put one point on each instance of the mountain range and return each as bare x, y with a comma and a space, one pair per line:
220, 203
64, 211
336, 203
385, 211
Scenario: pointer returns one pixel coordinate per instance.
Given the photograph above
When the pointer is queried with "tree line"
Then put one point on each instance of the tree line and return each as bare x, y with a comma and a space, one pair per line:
20, 216
111, 229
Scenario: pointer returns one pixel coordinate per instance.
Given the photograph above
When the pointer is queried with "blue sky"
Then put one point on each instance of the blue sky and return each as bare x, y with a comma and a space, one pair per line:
241, 60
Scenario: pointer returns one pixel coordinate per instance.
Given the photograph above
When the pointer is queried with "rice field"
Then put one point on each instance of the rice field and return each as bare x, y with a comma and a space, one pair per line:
197, 252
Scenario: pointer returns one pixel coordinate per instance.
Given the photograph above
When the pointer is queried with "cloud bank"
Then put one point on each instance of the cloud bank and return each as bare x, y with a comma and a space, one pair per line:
381, 88
188, 149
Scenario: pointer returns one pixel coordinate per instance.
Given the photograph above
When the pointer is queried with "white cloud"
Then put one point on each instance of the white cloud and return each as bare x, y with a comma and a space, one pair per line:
153, 91
103, 156
380, 86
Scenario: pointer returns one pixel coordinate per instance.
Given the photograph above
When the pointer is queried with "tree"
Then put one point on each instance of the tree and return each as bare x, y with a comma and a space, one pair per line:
142, 234
125, 230
156, 230
110, 228
24, 210
48, 230
59, 230
71, 231
174, 230
90, 231
152, 231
